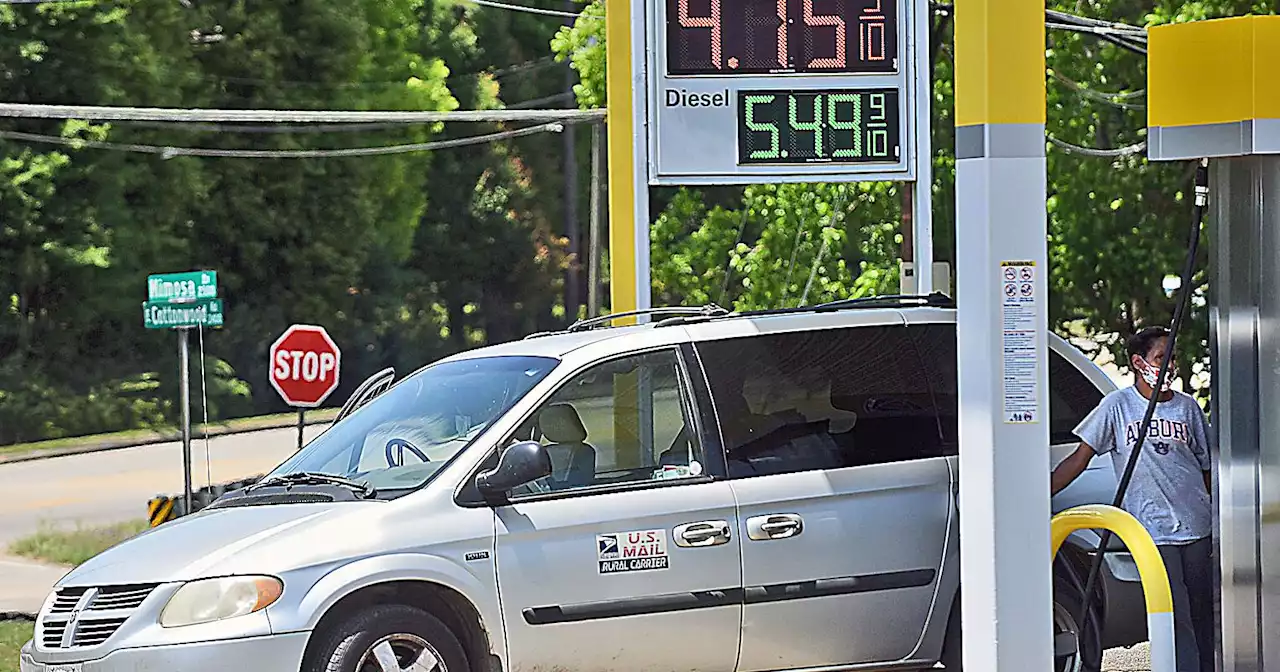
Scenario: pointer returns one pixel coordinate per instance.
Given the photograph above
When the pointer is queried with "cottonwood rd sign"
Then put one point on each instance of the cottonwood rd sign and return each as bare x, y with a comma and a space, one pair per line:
163, 315
304, 365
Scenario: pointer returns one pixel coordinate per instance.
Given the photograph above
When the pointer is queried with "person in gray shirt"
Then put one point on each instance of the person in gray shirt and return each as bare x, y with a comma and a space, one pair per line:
1170, 489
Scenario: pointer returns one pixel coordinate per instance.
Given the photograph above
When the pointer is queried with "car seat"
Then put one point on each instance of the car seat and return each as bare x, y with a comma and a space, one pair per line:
573, 460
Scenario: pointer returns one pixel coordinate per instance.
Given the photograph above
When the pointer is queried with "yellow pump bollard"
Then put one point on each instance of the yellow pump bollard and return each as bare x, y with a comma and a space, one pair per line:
1155, 580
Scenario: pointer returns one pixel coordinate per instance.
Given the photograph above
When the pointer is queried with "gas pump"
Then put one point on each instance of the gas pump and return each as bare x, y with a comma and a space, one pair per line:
1179, 314
1210, 95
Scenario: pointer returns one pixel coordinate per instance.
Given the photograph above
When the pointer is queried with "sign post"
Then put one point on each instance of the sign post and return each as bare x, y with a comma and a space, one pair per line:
1001, 269
305, 363
182, 301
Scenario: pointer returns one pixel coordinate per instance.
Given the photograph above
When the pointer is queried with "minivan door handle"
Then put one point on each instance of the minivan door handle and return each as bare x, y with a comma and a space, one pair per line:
774, 526
705, 533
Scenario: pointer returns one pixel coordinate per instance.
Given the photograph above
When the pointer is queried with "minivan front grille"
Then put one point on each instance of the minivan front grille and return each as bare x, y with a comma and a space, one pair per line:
52, 635
84, 617
92, 632
120, 597
65, 601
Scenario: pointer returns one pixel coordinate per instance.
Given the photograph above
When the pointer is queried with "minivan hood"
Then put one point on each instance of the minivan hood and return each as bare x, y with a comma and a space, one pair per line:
199, 545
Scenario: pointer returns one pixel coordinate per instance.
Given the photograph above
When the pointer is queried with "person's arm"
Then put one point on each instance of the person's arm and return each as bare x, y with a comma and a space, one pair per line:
1096, 429
1070, 468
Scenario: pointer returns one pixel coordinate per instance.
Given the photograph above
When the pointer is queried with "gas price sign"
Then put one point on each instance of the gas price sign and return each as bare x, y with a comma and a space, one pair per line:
749, 91
712, 37
782, 126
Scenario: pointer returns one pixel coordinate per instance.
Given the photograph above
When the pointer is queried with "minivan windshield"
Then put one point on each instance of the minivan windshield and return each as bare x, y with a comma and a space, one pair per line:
398, 441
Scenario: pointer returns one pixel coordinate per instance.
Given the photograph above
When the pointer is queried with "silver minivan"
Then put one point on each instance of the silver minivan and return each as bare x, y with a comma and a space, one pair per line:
710, 491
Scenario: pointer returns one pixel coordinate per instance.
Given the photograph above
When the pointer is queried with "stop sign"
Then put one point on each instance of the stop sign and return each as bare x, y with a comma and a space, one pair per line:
304, 365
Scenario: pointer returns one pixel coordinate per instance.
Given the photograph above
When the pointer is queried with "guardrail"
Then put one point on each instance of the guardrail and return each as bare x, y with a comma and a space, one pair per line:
164, 508
1151, 569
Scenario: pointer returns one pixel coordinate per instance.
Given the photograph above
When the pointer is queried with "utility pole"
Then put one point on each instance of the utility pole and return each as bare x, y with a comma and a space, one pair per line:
593, 236
573, 281
907, 250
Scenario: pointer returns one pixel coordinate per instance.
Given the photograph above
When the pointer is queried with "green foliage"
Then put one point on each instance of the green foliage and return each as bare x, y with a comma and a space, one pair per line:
13, 634
583, 44
788, 245
404, 258
1117, 227
75, 546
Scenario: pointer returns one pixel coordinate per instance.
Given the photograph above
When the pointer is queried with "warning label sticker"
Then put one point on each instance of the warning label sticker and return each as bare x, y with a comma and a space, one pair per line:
1020, 336
641, 551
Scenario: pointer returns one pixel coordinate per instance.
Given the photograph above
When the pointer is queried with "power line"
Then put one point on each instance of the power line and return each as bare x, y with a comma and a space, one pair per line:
526, 8
1132, 38
268, 128
1086, 20
1122, 95
170, 152
354, 127
565, 95
106, 113
1098, 153
1106, 98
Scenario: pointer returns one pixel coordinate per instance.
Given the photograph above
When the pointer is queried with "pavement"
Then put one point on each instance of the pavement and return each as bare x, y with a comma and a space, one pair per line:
110, 487
24, 584
114, 486
1136, 659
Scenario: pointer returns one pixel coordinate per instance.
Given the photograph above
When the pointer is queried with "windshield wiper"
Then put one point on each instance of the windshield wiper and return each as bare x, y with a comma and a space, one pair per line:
314, 478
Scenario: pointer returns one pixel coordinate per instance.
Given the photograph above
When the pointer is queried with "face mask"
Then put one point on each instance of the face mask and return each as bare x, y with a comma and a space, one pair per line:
1150, 374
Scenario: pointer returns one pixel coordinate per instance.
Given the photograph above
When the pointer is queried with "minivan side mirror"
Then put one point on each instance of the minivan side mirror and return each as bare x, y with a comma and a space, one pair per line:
519, 464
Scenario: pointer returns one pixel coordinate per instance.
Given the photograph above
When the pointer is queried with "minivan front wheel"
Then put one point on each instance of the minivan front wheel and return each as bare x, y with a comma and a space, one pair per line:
388, 638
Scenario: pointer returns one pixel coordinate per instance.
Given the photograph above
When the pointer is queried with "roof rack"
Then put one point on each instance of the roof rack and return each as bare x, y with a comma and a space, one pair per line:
689, 314
709, 310
934, 300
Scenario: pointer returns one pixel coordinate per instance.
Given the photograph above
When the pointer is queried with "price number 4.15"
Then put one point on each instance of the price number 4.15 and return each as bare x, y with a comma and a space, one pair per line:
836, 126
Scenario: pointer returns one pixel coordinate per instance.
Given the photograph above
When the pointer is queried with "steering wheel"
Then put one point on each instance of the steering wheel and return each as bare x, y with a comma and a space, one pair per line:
396, 448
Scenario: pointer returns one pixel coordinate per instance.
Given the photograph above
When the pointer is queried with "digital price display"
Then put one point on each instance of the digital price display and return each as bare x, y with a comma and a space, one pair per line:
846, 126
728, 37
774, 91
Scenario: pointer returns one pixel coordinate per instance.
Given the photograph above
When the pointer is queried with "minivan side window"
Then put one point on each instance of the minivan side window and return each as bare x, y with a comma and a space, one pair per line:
1071, 397
1071, 394
824, 399
623, 421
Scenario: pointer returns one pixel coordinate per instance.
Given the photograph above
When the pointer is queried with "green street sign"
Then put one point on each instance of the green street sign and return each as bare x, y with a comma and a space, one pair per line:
167, 315
182, 287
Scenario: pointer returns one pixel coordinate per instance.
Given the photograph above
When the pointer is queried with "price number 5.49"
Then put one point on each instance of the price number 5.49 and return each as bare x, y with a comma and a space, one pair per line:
835, 126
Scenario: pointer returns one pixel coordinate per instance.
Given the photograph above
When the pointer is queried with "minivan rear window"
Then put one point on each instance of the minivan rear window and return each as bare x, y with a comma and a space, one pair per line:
821, 399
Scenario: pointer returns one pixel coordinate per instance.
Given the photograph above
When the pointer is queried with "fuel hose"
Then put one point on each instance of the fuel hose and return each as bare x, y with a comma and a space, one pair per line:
1179, 314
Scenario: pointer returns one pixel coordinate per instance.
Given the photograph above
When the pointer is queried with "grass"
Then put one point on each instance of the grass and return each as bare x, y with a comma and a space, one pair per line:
74, 546
13, 634
136, 436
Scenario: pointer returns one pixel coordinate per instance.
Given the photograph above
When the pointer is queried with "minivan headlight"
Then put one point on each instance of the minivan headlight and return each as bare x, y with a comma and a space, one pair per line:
209, 600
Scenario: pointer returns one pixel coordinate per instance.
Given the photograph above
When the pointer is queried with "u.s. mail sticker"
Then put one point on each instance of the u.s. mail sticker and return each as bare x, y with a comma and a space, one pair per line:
638, 551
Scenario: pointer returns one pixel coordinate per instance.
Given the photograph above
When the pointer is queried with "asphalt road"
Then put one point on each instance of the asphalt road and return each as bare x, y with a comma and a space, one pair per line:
114, 486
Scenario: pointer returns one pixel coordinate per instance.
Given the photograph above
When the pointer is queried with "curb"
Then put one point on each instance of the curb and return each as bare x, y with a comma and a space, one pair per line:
16, 616
168, 436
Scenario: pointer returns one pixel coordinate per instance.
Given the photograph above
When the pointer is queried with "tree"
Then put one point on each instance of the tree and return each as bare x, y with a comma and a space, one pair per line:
76, 226
1117, 226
